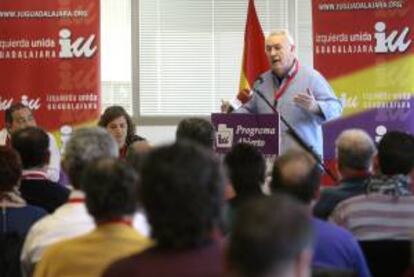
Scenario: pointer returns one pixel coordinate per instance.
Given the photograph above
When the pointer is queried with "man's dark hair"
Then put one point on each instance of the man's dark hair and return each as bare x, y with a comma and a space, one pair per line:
269, 234
110, 186
182, 193
302, 179
396, 153
32, 143
8, 116
10, 168
197, 130
246, 167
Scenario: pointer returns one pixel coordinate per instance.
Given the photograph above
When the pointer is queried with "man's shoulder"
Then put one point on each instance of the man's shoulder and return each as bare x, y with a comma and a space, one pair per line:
125, 266
307, 68
329, 200
63, 220
45, 185
264, 77
394, 185
331, 230
42, 227
29, 212
311, 74
345, 189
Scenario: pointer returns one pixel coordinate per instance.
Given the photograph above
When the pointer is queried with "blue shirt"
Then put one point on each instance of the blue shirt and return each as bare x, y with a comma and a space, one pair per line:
336, 247
20, 219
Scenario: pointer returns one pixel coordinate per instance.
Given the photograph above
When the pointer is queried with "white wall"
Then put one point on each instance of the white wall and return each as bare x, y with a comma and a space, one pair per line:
157, 135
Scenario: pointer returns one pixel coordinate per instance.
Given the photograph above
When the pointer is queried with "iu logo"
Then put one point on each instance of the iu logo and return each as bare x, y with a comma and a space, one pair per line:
80, 47
224, 136
391, 42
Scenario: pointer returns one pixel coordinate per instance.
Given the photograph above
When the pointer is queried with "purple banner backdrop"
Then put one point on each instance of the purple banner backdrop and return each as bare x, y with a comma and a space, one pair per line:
259, 130
376, 122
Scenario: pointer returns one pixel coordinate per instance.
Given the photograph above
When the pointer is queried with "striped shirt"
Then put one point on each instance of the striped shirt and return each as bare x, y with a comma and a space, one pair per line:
376, 216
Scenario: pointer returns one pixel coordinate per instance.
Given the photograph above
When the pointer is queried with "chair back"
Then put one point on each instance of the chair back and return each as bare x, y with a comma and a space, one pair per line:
387, 257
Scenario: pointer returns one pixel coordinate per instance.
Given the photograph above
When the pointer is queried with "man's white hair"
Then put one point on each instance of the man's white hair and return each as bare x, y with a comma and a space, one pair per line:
283, 32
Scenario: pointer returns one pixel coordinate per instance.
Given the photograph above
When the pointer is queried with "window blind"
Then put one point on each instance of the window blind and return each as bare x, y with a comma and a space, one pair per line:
189, 52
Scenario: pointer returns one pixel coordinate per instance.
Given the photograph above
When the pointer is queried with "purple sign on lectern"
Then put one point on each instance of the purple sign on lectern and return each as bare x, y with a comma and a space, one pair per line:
259, 130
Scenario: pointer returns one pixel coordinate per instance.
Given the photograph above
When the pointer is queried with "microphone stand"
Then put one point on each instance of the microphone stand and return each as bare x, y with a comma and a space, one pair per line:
297, 137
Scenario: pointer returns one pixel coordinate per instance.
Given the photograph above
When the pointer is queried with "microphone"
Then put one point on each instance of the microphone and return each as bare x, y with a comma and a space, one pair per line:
241, 98
258, 92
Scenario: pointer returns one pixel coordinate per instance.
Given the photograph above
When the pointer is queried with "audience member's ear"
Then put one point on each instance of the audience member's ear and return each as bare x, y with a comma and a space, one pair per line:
375, 165
337, 169
229, 191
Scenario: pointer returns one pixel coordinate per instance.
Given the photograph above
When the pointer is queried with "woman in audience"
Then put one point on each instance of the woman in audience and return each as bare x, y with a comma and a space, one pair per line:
119, 124
16, 216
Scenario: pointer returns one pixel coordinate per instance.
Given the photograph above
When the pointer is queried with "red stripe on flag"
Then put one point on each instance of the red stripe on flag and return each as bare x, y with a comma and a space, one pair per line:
255, 61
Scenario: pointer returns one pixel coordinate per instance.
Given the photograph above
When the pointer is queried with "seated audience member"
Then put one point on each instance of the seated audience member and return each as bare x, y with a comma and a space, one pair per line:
355, 152
136, 154
119, 124
395, 161
32, 144
182, 196
197, 130
71, 219
272, 236
111, 197
386, 210
201, 132
246, 169
297, 174
16, 216
17, 117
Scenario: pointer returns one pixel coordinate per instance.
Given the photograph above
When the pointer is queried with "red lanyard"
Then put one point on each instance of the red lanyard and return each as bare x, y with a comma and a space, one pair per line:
76, 200
34, 175
278, 93
127, 222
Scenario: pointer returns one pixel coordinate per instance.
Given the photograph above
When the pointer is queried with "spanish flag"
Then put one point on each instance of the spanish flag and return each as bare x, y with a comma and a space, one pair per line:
254, 56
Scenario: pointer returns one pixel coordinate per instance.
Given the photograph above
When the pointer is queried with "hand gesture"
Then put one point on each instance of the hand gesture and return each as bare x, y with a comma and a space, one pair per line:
225, 106
307, 101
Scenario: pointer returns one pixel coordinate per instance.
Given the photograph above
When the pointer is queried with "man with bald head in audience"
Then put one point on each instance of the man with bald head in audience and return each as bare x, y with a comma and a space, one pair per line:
355, 151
